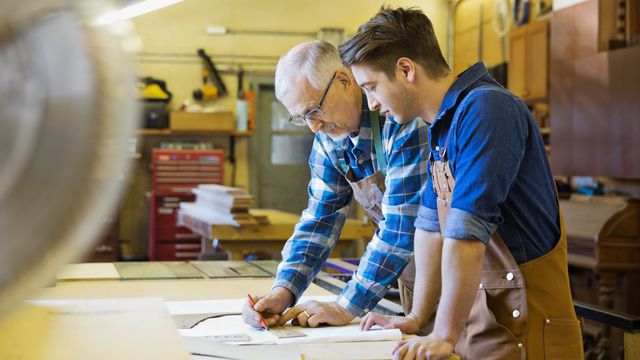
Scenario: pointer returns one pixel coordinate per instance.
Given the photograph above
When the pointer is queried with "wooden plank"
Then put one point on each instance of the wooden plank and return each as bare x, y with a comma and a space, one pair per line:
222, 120
632, 346
143, 270
229, 269
169, 290
92, 329
89, 271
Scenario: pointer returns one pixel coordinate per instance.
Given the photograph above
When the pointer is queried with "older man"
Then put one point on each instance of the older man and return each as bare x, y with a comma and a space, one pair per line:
356, 154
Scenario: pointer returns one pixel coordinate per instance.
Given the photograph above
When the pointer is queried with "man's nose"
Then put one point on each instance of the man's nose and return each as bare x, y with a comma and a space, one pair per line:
373, 103
314, 125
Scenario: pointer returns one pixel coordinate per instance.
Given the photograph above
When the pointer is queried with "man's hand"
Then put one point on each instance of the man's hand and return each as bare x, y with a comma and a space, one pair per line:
313, 313
270, 307
428, 347
407, 324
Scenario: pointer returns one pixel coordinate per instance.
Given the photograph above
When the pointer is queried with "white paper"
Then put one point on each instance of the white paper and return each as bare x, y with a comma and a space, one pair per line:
226, 351
233, 324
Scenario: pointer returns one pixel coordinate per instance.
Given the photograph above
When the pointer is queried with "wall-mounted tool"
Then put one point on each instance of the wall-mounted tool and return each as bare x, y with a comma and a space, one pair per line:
212, 84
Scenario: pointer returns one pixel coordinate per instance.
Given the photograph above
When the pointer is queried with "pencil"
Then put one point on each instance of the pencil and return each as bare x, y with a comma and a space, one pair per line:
253, 304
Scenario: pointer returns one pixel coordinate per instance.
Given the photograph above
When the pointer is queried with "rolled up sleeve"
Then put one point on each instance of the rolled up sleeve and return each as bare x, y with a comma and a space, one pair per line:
464, 225
427, 219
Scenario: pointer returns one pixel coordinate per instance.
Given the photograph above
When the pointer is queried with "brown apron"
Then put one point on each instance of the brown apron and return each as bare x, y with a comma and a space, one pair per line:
369, 192
520, 311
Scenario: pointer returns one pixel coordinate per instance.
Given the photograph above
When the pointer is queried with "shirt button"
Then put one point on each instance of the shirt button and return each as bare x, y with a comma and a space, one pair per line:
366, 311
480, 286
360, 161
520, 345
516, 314
510, 276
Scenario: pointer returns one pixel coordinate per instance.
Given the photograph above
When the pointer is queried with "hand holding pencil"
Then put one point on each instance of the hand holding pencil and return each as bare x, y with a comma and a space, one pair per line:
264, 311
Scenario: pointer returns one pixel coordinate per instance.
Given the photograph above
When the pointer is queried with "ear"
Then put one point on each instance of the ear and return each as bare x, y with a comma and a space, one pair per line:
342, 77
406, 69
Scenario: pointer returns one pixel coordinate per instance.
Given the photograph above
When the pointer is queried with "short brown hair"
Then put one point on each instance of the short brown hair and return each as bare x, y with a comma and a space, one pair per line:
394, 33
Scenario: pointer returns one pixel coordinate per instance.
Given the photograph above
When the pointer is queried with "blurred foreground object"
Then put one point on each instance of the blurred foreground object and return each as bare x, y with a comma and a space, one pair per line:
67, 109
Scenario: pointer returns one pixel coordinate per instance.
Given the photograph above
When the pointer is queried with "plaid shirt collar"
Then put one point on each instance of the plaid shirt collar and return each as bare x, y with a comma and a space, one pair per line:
363, 143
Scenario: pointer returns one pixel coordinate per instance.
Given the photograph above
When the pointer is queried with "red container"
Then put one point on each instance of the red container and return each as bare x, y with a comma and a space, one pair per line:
177, 170
173, 174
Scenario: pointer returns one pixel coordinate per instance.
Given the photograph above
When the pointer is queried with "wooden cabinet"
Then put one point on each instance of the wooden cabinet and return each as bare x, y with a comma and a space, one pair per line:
593, 98
529, 61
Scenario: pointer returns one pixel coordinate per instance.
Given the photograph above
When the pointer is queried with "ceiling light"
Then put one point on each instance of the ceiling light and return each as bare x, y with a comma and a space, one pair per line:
133, 10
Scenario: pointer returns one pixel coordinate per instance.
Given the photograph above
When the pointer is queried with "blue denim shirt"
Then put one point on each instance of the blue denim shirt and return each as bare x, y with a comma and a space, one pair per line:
503, 178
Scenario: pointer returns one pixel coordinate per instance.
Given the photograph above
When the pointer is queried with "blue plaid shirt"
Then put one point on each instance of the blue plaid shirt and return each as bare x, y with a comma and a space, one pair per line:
319, 228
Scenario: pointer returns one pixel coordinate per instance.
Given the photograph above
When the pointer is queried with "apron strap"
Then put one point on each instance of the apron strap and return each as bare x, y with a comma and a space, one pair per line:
381, 156
442, 151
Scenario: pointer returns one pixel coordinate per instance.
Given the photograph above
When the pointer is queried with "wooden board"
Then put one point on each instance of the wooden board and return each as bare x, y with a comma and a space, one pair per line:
90, 271
229, 269
169, 290
182, 120
92, 329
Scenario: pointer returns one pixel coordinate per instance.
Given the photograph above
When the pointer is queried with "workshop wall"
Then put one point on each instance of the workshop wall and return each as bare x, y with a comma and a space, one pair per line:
468, 48
171, 37
180, 29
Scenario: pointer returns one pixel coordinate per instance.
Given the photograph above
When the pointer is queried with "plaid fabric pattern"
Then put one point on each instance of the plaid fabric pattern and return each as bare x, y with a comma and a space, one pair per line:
321, 222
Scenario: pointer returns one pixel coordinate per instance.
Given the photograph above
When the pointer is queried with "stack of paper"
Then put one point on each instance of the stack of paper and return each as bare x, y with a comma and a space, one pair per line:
221, 205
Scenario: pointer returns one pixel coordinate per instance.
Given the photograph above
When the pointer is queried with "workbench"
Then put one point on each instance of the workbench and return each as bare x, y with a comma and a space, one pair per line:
270, 238
126, 326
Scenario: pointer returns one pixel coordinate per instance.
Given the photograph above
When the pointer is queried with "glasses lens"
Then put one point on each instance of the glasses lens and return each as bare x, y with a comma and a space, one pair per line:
315, 114
297, 120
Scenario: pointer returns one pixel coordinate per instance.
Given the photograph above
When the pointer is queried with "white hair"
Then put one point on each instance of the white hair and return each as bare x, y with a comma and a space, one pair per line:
316, 61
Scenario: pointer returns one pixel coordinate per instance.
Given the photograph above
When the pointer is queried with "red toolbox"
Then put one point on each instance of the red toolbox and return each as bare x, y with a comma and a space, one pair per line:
178, 170
173, 174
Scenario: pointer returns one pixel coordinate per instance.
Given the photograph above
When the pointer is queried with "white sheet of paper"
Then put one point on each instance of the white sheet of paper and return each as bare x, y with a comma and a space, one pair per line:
199, 346
233, 324
349, 351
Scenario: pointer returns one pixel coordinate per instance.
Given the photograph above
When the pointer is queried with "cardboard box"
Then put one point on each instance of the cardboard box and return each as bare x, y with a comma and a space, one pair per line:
199, 121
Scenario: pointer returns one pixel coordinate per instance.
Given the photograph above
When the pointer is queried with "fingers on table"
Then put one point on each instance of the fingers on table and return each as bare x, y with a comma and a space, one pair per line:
315, 320
290, 314
400, 350
368, 321
300, 316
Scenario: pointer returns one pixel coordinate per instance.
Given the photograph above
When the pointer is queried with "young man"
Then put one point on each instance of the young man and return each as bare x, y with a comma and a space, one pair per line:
490, 243
356, 153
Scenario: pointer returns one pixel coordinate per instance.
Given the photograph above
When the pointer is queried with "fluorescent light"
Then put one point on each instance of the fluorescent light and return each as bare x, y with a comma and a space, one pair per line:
216, 30
144, 7
133, 10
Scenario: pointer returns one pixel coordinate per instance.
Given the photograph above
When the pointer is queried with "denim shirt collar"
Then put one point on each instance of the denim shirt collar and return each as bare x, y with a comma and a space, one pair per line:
462, 83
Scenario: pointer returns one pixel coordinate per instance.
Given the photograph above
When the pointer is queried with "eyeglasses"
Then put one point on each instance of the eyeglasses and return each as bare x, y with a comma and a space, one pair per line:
314, 114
